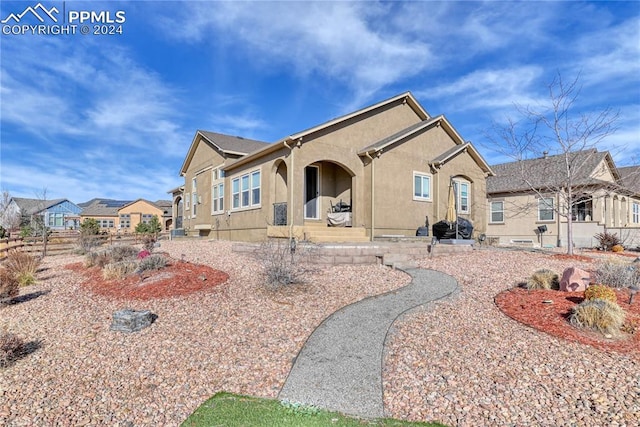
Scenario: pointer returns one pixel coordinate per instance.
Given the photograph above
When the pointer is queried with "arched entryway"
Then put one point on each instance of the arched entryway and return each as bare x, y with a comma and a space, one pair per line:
328, 187
281, 193
177, 212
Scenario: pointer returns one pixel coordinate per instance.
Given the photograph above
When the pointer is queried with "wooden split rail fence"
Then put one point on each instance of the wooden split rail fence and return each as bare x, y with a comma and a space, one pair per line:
62, 242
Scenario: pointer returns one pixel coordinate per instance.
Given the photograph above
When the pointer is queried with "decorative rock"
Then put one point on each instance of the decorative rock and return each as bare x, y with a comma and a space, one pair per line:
128, 320
574, 280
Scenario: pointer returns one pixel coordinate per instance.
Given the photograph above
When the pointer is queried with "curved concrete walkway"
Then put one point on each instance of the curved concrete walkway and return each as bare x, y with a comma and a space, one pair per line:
340, 366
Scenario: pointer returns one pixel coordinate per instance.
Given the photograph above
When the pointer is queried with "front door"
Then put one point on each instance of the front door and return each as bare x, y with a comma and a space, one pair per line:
311, 192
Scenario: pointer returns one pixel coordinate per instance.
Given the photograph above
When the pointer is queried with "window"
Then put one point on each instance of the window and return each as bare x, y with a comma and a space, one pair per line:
462, 189
245, 190
217, 174
255, 188
217, 191
217, 198
125, 220
421, 186
636, 213
146, 218
545, 209
56, 219
497, 211
105, 223
194, 195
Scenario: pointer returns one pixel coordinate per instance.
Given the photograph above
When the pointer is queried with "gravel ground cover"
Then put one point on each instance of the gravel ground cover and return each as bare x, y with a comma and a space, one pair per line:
239, 337
460, 361
465, 363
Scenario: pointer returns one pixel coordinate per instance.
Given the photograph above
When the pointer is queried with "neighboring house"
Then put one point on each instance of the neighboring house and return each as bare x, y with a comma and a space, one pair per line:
141, 211
391, 164
605, 198
122, 216
58, 214
105, 212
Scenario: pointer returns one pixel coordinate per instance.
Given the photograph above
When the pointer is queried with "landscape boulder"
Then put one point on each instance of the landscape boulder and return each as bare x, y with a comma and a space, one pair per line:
128, 320
574, 280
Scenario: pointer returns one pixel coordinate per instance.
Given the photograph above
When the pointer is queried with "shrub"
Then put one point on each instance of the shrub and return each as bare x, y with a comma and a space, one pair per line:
9, 285
11, 346
148, 242
112, 254
86, 243
282, 266
119, 270
90, 227
601, 315
607, 240
617, 248
543, 279
600, 292
152, 262
97, 258
119, 253
616, 274
23, 266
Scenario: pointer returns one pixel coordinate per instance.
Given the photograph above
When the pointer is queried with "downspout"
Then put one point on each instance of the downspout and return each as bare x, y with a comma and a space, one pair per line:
291, 186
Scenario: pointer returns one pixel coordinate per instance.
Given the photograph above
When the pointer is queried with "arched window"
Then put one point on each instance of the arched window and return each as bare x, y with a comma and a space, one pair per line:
462, 188
582, 208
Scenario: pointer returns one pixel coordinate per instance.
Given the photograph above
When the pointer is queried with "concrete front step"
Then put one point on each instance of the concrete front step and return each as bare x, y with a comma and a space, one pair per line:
335, 234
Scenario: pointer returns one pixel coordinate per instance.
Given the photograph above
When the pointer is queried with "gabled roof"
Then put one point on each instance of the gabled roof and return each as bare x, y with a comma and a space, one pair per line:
630, 176
458, 149
441, 120
549, 171
32, 206
225, 144
405, 97
163, 203
103, 207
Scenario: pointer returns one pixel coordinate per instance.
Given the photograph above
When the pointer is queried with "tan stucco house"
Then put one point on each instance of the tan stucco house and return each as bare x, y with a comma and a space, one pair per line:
122, 216
523, 198
380, 171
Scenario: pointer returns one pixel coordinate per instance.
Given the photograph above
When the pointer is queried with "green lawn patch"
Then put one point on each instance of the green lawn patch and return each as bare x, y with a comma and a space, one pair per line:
232, 410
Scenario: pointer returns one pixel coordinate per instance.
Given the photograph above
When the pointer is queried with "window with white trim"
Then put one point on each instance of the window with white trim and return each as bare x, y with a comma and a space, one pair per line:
245, 190
217, 192
194, 196
497, 212
56, 219
146, 218
463, 192
545, 209
421, 186
125, 220
635, 216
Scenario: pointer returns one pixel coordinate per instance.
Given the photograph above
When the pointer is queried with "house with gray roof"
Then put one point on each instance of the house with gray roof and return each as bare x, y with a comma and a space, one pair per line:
528, 200
122, 216
387, 166
57, 214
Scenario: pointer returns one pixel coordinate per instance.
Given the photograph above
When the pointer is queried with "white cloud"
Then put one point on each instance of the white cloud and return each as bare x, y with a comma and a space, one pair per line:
488, 89
341, 41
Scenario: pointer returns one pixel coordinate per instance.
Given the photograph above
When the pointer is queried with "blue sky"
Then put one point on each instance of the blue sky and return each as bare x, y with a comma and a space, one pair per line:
86, 116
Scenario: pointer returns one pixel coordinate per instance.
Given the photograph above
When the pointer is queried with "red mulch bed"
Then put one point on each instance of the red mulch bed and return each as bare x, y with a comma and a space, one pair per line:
527, 307
176, 279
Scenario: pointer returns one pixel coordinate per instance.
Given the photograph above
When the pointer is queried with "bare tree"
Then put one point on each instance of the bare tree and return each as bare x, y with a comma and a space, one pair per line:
39, 219
555, 128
